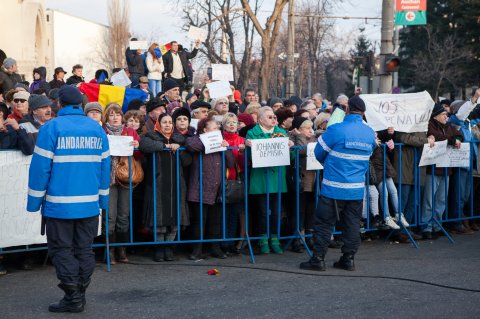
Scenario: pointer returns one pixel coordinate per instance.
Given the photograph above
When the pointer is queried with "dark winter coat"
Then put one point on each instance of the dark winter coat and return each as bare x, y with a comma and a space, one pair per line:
151, 144
307, 183
443, 132
377, 162
8, 81
134, 62
74, 80
184, 57
12, 139
56, 84
42, 82
211, 172
412, 142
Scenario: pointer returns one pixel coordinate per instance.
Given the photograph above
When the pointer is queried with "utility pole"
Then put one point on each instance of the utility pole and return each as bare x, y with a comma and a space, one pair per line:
291, 50
386, 46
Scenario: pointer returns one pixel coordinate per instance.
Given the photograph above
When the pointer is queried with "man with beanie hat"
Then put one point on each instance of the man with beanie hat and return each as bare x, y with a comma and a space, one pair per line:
344, 151
172, 91
94, 110
40, 112
8, 75
155, 107
69, 182
275, 103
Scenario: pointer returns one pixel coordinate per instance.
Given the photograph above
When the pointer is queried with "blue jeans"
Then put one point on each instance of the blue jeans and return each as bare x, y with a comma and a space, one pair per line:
460, 193
232, 215
155, 86
434, 200
391, 194
408, 202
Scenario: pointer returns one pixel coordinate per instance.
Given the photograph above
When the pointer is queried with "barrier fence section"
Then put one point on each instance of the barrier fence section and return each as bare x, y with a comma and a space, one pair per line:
295, 229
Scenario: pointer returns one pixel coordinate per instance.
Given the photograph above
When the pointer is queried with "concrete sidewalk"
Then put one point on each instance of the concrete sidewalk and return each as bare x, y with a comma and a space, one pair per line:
391, 281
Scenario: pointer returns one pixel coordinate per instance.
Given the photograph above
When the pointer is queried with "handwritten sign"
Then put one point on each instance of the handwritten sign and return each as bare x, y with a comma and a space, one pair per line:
120, 145
17, 226
212, 142
432, 155
121, 78
222, 72
138, 45
312, 162
456, 157
194, 123
270, 152
197, 33
219, 89
405, 112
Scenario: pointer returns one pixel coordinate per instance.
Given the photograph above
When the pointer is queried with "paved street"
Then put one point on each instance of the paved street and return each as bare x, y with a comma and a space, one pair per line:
272, 288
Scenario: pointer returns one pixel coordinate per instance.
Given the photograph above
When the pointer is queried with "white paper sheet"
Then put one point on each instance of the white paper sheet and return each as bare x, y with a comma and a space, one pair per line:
120, 145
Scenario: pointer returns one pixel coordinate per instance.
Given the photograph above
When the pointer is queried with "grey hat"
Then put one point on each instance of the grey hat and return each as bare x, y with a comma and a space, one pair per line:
9, 62
21, 86
93, 106
36, 101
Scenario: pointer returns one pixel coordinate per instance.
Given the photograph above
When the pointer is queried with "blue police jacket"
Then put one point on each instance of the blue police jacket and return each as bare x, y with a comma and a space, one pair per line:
344, 150
70, 169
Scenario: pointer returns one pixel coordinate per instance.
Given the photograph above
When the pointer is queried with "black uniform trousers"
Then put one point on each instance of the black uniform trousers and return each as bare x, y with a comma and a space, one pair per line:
350, 213
70, 247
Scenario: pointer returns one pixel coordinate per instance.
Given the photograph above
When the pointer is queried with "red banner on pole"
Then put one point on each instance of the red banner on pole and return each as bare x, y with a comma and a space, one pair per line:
411, 5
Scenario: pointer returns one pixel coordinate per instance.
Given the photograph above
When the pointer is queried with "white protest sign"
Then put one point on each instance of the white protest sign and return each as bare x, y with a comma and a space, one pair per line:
194, 123
222, 72
212, 142
17, 226
121, 79
138, 45
269, 152
197, 33
120, 145
405, 112
312, 162
456, 157
219, 89
431, 155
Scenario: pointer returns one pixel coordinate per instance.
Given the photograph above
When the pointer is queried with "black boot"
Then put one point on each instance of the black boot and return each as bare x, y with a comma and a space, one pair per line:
71, 302
197, 252
297, 246
159, 253
217, 252
83, 288
169, 253
315, 263
345, 262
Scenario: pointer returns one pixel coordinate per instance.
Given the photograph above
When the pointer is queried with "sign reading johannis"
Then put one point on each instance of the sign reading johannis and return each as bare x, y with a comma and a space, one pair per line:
411, 12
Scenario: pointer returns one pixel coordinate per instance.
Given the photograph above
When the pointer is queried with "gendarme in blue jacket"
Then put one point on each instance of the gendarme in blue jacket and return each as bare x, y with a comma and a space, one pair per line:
70, 168
344, 150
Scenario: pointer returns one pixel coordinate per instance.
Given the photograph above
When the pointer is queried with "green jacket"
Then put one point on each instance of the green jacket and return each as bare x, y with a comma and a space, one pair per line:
258, 176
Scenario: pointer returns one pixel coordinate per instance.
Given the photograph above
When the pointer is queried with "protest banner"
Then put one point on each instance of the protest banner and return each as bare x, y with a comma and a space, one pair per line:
312, 162
121, 78
456, 157
219, 89
222, 72
120, 145
212, 142
17, 226
270, 152
197, 33
138, 45
407, 113
432, 155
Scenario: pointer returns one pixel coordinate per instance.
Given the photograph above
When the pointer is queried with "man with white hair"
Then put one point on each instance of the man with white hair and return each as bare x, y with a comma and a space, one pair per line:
311, 108
318, 101
8, 75
339, 110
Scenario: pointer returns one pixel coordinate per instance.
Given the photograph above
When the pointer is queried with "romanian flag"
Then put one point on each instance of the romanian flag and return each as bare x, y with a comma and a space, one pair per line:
165, 48
105, 94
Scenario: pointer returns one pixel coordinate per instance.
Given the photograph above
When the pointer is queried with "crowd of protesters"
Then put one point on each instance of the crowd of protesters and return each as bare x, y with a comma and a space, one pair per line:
187, 185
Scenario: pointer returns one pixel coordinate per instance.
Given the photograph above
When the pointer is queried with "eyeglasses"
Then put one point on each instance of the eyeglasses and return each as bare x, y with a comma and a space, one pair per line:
19, 100
231, 123
272, 117
225, 103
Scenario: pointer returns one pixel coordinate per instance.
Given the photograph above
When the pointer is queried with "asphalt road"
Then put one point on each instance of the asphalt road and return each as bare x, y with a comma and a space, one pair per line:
391, 281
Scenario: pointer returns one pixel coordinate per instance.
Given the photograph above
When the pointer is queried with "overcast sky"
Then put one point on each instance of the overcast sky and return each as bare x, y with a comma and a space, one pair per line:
161, 19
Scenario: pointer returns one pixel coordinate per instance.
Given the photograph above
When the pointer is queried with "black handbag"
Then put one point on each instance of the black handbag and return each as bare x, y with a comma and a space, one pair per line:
234, 191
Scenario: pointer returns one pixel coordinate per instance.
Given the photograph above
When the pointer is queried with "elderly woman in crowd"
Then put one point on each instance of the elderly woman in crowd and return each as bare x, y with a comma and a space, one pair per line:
169, 204
119, 200
252, 109
221, 105
20, 105
267, 128
211, 173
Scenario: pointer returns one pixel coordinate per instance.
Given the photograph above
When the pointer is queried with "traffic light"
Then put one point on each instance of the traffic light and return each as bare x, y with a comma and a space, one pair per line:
389, 64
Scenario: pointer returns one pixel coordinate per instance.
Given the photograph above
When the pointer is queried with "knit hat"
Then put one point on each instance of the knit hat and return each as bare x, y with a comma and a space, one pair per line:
9, 62
36, 101
246, 118
169, 84
296, 100
135, 104
198, 103
437, 109
69, 95
455, 105
93, 106
298, 121
21, 95
53, 94
189, 96
21, 86
181, 112
355, 103
154, 103
172, 106
274, 100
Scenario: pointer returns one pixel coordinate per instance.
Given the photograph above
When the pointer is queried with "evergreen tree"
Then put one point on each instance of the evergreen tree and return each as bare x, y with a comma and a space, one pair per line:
359, 58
